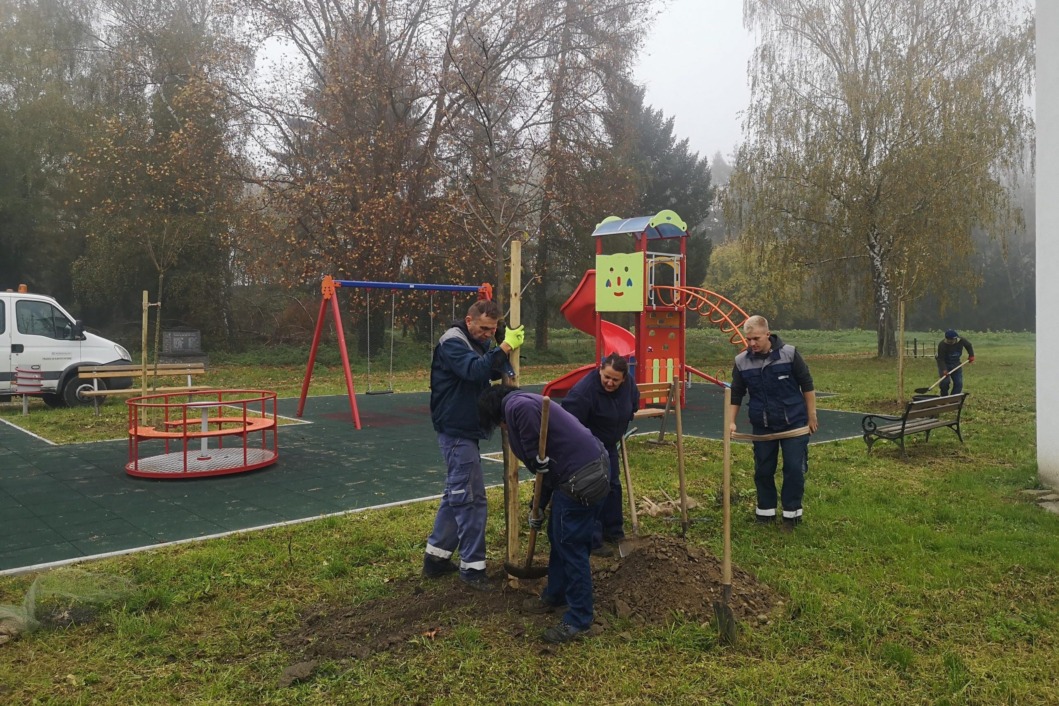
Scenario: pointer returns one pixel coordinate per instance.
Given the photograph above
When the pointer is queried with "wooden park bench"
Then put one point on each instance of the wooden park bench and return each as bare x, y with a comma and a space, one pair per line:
101, 373
921, 416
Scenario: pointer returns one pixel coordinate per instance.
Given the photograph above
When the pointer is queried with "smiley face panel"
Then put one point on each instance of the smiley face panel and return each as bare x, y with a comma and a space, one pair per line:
619, 282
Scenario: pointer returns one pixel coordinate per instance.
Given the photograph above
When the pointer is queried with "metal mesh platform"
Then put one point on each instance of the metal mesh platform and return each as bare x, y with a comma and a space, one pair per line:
217, 462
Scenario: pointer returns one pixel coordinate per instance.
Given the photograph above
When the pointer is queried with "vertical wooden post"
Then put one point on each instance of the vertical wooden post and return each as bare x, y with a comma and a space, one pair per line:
143, 346
675, 387
511, 463
515, 293
901, 351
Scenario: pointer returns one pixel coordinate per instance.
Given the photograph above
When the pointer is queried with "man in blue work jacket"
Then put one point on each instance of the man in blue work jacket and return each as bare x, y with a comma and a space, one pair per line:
465, 361
782, 398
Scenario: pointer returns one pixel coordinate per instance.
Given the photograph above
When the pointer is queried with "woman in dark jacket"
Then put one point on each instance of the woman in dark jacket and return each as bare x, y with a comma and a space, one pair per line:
605, 401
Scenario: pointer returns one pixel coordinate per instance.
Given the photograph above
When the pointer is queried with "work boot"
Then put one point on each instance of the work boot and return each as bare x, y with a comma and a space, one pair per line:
539, 606
604, 550
477, 580
789, 523
434, 568
765, 519
563, 632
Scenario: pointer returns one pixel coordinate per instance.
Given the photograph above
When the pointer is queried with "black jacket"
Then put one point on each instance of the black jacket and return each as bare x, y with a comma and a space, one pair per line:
605, 414
949, 353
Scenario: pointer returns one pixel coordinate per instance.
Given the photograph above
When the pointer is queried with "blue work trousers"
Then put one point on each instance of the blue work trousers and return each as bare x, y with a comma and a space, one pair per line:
460, 522
569, 569
611, 524
955, 377
795, 464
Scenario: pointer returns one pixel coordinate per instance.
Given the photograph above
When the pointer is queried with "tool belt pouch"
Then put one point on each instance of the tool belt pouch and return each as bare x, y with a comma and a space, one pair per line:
590, 484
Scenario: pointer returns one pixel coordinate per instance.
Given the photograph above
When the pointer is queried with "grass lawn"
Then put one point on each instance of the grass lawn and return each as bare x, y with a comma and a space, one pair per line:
926, 580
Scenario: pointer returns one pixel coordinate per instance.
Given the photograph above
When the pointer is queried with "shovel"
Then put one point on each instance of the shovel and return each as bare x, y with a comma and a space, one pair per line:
726, 624
528, 570
628, 481
628, 545
924, 390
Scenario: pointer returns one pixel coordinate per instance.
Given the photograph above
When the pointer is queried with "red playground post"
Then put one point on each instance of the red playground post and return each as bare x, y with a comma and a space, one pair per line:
327, 288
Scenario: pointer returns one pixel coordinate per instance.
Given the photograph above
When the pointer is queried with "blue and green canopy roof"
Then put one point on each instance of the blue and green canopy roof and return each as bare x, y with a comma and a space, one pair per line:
664, 224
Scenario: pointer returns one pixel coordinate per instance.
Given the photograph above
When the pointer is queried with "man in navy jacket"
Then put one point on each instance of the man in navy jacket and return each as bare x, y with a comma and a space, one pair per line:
782, 398
949, 353
605, 401
464, 362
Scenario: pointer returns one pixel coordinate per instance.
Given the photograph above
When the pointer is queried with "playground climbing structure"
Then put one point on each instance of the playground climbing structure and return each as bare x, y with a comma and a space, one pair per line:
652, 286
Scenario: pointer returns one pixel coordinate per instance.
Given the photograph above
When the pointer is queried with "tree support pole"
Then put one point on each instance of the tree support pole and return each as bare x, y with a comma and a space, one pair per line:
143, 339
511, 462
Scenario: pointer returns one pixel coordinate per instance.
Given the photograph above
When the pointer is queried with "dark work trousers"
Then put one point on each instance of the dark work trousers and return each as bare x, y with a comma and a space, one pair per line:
460, 522
611, 524
569, 569
795, 464
956, 377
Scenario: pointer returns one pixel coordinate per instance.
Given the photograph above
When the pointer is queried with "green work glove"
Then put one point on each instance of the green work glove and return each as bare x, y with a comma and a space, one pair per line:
515, 337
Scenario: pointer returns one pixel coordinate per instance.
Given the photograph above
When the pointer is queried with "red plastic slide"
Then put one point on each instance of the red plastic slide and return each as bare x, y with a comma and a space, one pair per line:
580, 311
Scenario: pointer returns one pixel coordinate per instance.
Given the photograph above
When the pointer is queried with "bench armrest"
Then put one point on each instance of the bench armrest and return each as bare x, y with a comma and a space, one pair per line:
871, 422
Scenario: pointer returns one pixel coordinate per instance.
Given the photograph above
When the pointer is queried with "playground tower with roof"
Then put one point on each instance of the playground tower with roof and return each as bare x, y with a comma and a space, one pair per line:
653, 286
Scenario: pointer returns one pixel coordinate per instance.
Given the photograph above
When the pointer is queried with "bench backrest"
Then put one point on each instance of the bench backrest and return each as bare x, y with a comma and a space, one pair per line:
136, 370
172, 368
933, 406
653, 390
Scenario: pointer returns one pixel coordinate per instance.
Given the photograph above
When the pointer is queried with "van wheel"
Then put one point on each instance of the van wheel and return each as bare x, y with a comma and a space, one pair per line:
73, 389
53, 400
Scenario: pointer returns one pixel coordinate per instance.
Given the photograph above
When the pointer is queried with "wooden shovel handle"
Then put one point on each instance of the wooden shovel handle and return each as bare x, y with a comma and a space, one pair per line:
674, 398
938, 381
628, 488
538, 481
542, 444
535, 512
726, 494
789, 434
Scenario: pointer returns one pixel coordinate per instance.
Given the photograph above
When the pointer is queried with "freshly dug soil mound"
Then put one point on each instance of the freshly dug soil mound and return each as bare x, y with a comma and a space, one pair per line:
662, 579
666, 577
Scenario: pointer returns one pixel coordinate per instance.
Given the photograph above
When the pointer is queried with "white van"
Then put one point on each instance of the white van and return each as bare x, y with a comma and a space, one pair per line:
39, 335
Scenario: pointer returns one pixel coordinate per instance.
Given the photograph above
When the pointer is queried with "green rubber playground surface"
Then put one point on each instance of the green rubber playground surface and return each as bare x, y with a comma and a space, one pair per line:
64, 503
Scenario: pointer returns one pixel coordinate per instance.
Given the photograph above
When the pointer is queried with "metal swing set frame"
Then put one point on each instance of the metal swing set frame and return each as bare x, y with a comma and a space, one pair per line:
328, 290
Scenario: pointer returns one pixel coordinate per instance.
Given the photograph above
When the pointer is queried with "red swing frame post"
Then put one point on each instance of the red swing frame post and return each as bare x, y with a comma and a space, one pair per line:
327, 290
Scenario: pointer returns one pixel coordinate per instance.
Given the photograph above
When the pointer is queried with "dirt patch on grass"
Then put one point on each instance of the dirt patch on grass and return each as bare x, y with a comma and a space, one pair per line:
663, 580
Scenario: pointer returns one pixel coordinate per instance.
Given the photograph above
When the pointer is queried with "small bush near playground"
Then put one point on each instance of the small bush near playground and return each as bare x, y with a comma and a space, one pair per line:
921, 580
